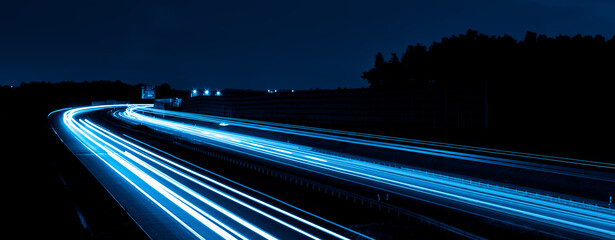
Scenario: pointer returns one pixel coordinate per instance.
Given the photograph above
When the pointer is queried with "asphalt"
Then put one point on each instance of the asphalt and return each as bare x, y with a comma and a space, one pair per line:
462, 199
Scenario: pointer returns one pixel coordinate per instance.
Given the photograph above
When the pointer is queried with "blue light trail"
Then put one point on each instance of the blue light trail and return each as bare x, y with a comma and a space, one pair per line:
378, 140
443, 190
203, 207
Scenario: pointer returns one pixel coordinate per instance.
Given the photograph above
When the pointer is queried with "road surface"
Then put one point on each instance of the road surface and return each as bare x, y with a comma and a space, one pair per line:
458, 193
172, 199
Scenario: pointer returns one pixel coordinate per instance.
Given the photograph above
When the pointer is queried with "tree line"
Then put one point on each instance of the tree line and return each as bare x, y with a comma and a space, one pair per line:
50, 96
539, 81
549, 89
477, 57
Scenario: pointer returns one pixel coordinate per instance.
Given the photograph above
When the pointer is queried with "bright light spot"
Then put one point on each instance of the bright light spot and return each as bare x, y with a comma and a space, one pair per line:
218, 93
315, 158
233, 139
223, 124
282, 151
206, 93
256, 145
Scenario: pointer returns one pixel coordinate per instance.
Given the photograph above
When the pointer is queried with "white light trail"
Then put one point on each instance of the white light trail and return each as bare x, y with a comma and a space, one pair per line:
134, 164
594, 220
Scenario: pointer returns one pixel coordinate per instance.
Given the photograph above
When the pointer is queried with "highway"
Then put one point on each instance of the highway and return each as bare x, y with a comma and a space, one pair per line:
551, 164
172, 199
591, 221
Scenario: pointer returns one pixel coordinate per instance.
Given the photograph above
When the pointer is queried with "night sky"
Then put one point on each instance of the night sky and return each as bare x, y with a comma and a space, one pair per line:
256, 44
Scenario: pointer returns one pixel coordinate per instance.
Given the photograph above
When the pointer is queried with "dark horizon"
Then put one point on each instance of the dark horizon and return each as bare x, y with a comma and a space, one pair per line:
283, 45
574, 43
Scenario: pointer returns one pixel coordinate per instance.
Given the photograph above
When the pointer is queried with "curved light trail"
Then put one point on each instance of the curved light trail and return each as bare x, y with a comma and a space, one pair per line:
590, 220
397, 143
180, 197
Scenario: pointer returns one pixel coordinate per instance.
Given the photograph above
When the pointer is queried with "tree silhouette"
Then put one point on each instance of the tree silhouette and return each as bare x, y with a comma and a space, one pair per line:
541, 81
379, 60
472, 57
163, 91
